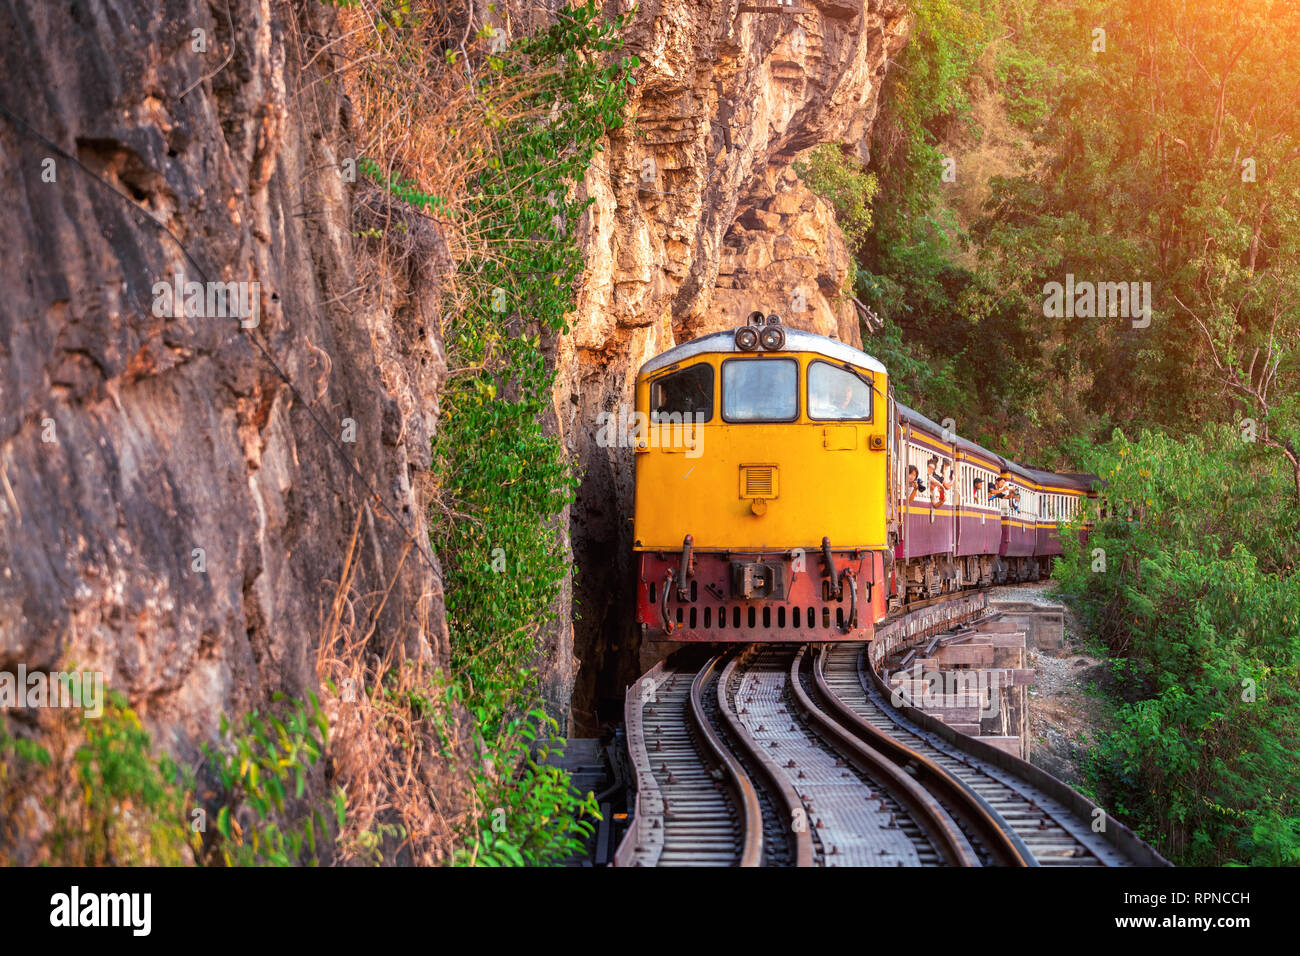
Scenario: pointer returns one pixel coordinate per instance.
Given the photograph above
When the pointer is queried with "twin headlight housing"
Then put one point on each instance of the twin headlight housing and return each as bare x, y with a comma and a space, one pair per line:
764, 331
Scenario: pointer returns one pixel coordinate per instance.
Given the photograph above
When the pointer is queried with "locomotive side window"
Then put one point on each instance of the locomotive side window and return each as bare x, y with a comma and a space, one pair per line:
688, 392
836, 393
760, 390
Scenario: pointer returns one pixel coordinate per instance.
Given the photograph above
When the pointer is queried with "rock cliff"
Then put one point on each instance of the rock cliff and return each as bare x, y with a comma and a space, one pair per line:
177, 493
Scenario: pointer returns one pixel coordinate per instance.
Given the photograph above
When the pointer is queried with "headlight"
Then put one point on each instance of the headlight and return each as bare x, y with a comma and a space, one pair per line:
772, 338
746, 339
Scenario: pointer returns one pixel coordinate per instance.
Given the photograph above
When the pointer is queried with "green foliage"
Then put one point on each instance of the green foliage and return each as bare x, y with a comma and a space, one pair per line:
842, 181
956, 343
403, 189
114, 804
925, 99
503, 482
528, 817
1170, 158
117, 802
1199, 606
499, 473
262, 764
1134, 168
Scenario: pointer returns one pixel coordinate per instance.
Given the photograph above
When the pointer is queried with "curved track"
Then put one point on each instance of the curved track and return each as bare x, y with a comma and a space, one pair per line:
695, 804
858, 811
784, 755
1042, 828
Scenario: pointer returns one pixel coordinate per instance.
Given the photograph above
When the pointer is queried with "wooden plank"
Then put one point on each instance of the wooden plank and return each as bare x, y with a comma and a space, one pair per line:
931, 702
1010, 744
1008, 640
956, 715
979, 654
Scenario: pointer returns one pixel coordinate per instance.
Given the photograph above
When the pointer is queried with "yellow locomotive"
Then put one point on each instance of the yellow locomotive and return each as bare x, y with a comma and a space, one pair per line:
782, 494
761, 473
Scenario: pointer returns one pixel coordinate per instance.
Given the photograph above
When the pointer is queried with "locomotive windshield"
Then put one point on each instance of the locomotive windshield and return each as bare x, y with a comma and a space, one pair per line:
836, 393
688, 392
760, 390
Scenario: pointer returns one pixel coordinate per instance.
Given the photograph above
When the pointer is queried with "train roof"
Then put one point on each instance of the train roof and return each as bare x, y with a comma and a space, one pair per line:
1055, 479
1083, 480
796, 340
1020, 471
914, 417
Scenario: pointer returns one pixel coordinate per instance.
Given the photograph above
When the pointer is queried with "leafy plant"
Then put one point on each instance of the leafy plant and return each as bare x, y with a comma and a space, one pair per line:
843, 182
107, 800
262, 765
531, 816
540, 106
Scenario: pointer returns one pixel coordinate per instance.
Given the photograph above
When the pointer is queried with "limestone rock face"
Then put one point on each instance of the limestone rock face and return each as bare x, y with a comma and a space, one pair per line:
698, 219
177, 494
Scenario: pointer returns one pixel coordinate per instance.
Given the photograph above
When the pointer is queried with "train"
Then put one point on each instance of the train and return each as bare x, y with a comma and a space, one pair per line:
782, 494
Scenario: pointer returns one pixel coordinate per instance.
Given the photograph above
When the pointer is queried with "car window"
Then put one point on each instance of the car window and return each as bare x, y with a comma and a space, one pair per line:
688, 392
760, 390
835, 393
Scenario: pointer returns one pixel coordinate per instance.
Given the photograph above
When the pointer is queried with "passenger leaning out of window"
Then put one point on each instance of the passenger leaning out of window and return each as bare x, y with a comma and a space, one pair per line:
914, 483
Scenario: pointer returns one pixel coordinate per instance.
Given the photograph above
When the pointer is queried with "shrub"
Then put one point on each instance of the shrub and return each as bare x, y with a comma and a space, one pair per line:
1200, 614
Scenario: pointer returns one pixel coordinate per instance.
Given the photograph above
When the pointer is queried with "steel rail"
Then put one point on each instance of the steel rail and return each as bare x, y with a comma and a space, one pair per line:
997, 835
737, 781
776, 781
938, 826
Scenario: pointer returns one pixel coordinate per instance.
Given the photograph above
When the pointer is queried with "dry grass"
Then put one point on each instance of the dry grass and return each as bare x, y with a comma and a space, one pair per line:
429, 110
391, 730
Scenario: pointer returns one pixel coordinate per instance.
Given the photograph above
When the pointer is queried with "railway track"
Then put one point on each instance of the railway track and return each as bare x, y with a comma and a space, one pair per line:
783, 755
859, 808
695, 804
1031, 826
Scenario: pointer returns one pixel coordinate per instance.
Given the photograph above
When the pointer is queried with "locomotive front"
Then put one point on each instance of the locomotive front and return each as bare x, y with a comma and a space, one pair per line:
760, 488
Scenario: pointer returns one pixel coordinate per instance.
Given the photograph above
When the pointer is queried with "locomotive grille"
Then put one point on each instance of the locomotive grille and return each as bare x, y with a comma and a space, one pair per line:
758, 481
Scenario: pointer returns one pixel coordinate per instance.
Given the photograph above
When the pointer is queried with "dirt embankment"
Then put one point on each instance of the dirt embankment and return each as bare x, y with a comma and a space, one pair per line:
1065, 706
